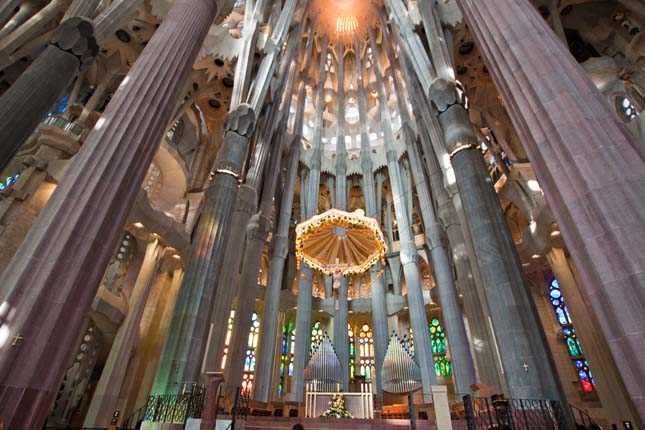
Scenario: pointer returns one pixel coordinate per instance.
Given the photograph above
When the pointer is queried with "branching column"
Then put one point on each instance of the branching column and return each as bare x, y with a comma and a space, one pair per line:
305, 281
475, 304
518, 331
377, 275
45, 305
570, 134
246, 203
341, 340
181, 358
463, 368
280, 246
408, 250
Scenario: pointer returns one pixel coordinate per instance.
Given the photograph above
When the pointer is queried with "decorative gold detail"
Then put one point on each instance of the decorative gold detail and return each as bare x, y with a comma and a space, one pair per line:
461, 148
228, 172
340, 243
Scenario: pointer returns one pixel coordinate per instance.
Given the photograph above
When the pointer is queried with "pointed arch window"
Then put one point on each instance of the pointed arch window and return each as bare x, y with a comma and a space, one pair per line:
249, 360
317, 335
227, 341
286, 355
442, 366
366, 352
571, 339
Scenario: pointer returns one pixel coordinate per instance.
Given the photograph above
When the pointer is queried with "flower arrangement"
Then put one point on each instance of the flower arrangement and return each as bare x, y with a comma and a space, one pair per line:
337, 408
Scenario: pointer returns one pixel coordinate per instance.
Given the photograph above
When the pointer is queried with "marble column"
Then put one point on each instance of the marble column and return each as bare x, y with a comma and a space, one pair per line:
519, 334
570, 134
106, 394
209, 414
609, 385
408, 250
183, 352
278, 253
44, 306
377, 274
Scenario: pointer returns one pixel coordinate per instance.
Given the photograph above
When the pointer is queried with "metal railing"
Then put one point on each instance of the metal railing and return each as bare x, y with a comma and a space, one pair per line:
499, 413
175, 408
240, 407
583, 420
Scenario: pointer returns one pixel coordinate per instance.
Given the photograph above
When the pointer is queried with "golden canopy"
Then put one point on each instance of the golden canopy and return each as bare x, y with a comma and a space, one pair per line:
338, 242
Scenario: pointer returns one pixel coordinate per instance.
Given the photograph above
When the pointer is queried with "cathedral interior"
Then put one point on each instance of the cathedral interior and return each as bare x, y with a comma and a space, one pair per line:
425, 206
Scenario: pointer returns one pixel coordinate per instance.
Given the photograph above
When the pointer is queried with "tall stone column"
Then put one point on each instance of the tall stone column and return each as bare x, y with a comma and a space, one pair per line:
341, 314
463, 366
29, 99
408, 250
245, 205
468, 278
256, 237
147, 366
372, 209
305, 281
303, 332
182, 357
106, 394
517, 328
279, 251
58, 268
609, 385
570, 134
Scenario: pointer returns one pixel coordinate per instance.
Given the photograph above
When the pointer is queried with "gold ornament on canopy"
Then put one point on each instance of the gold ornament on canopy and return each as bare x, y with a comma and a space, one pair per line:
339, 243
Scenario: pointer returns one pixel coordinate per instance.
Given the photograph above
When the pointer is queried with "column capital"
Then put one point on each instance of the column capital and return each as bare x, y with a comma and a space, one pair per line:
443, 94
408, 253
258, 228
240, 121
76, 36
279, 247
246, 199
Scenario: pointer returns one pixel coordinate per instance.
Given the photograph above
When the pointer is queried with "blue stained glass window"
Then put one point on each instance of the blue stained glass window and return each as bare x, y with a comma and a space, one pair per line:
571, 339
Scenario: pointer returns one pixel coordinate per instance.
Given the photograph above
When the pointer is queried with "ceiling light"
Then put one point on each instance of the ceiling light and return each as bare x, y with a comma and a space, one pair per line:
533, 185
555, 233
347, 22
138, 225
536, 256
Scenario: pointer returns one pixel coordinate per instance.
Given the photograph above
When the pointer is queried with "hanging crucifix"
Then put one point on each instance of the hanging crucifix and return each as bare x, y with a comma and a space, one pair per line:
337, 277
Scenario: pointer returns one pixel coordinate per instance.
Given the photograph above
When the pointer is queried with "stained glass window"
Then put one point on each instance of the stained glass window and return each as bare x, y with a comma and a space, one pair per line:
8, 181
286, 355
249, 361
570, 337
317, 335
227, 342
366, 352
442, 366
629, 110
